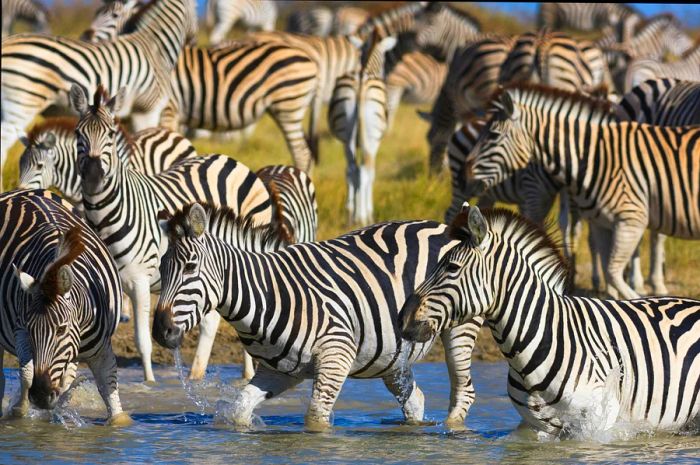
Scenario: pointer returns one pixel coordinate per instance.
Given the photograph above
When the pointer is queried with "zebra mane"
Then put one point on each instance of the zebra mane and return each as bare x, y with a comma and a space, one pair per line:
436, 7
668, 18
70, 247
61, 125
544, 251
601, 106
220, 217
278, 209
132, 24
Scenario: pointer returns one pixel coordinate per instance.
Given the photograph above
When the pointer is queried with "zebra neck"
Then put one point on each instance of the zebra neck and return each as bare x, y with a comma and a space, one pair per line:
65, 174
164, 30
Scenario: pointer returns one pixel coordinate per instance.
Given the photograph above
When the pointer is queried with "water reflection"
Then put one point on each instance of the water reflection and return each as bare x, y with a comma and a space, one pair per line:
177, 424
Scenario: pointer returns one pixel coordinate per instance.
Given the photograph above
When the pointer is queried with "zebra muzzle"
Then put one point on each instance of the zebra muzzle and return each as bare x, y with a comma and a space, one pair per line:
165, 332
42, 393
413, 329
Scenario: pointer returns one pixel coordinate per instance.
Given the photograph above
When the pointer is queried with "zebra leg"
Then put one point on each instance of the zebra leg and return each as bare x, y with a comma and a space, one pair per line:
248, 366
636, 278
266, 384
393, 100
139, 292
26, 368
658, 258
459, 344
141, 121
403, 386
596, 259
221, 30
568, 223
207, 334
331, 369
352, 176
602, 238
104, 369
626, 237
316, 105
69, 376
366, 213
127, 309
291, 125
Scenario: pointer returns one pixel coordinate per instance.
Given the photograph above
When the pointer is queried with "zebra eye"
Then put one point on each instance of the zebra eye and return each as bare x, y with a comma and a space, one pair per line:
453, 267
190, 268
61, 330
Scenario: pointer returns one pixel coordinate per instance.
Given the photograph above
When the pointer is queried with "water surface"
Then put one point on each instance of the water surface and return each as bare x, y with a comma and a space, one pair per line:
176, 426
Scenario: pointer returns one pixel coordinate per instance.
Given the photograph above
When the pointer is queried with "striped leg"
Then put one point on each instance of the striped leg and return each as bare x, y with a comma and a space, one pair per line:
140, 294
266, 384
26, 368
626, 237
352, 176
636, 278
403, 386
104, 369
366, 214
207, 334
393, 100
658, 258
291, 125
331, 368
248, 366
595, 234
459, 344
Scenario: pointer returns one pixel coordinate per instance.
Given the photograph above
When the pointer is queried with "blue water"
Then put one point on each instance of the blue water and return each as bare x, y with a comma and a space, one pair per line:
174, 428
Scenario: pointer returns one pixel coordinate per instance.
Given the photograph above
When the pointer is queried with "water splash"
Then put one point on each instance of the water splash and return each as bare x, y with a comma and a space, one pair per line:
68, 416
190, 389
225, 413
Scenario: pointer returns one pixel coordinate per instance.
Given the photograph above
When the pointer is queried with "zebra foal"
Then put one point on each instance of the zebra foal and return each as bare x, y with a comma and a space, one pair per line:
571, 359
60, 299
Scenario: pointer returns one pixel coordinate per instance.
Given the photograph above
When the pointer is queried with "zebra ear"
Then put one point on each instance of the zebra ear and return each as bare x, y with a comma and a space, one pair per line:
78, 98
49, 141
164, 217
25, 140
115, 103
25, 280
476, 224
425, 116
64, 279
198, 219
508, 105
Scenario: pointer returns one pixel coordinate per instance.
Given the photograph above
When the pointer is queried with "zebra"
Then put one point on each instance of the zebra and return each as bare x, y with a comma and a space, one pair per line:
472, 78
444, 30
663, 102
121, 204
230, 87
569, 358
49, 158
60, 305
38, 70
392, 22
111, 19
27, 10
686, 68
624, 176
348, 20
590, 17
325, 310
293, 196
357, 116
222, 15
317, 21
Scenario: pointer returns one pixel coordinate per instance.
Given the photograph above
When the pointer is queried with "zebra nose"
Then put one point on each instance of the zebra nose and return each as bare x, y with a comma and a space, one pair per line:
42, 393
165, 332
412, 329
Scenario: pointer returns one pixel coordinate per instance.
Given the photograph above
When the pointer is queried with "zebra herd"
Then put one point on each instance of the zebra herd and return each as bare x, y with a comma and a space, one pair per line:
605, 125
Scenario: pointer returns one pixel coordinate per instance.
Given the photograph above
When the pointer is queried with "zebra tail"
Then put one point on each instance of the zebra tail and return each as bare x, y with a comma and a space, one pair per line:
278, 210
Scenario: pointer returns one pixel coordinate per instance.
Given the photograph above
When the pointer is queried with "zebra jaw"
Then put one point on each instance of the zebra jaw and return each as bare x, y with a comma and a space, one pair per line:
415, 330
164, 331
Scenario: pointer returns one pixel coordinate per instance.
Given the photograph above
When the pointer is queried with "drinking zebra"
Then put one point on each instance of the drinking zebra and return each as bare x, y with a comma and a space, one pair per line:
570, 358
49, 158
38, 70
357, 116
60, 305
324, 310
121, 204
26, 10
624, 176
222, 15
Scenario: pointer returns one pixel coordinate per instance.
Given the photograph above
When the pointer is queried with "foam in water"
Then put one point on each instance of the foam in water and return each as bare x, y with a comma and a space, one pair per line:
190, 389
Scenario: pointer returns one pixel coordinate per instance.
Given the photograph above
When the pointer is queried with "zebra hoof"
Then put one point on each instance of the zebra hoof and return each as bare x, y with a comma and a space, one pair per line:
455, 423
317, 425
151, 382
124, 319
19, 411
120, 420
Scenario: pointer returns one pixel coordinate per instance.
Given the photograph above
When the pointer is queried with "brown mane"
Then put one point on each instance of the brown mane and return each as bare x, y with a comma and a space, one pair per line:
70, 249
133, 22
597, 104
61, 124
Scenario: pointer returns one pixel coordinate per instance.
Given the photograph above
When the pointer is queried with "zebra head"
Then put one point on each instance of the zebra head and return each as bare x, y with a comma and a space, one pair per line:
50, 323
504, 146
110, 20
457, 289
96, 136
37, 165
189, 286
442, 29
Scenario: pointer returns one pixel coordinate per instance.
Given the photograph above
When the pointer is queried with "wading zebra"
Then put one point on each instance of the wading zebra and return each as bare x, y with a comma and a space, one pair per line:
60, 305
25, 10
50, 160
232, 86
357, 116
570, 358
121, 204
443, 30
325, 310
589, 17
686, 68
624, 176
471, 80
38, 70
222, 15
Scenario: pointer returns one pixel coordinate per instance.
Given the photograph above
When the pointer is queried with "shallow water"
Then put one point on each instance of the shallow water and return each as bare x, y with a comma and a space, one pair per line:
176, 425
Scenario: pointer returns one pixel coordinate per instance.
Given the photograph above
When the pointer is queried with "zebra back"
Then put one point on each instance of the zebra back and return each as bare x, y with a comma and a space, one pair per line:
662, 102
222, 15
444, 29
293, 198
111, 19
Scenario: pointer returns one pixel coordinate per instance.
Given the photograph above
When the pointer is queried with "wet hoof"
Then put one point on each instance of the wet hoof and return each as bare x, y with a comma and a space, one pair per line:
19, 411
151, 382
456, 423
317, 425
120, 420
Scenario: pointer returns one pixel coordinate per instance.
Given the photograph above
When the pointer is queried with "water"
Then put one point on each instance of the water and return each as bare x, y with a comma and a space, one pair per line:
181, 425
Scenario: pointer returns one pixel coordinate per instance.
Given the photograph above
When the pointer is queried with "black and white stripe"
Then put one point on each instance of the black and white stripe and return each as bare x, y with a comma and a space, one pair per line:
571, 359
61, 303
686, 68
31, 11
663, 102
222, 15
444, 30
122, 204
590, 16
324, 310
